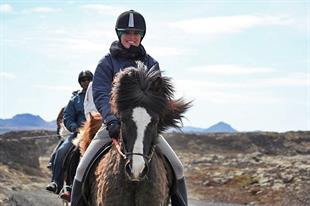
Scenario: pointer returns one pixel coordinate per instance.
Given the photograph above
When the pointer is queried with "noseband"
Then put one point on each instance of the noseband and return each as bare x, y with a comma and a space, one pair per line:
126, 155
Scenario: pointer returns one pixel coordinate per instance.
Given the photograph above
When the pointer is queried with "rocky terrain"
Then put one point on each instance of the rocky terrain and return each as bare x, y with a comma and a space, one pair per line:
259, 168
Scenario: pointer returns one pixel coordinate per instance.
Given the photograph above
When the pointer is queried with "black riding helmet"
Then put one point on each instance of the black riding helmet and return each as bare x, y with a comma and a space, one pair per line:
130, 20
85, 75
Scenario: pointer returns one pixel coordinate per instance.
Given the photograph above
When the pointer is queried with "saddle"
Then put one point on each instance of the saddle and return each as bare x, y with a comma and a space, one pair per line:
104, 150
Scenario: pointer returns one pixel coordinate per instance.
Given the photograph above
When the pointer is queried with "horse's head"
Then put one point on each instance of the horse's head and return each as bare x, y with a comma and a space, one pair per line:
142, 99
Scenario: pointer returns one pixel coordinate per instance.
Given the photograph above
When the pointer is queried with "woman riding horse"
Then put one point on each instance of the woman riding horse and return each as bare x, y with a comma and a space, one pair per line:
135, 172
73, 119
130, 28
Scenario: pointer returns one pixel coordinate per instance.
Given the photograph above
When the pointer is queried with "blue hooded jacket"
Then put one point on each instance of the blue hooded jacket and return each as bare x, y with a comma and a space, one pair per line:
74, 112
118, 59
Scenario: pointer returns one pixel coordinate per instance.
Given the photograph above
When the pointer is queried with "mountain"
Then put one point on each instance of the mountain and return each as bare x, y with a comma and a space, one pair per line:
189, 129
26, 122
220, 127
31, 122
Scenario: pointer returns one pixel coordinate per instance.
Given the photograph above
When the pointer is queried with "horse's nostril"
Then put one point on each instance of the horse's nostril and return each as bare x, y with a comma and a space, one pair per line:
144, 171
128, 168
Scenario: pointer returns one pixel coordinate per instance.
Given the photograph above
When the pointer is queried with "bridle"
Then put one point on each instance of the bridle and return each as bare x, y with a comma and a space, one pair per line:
127, 156
123, 152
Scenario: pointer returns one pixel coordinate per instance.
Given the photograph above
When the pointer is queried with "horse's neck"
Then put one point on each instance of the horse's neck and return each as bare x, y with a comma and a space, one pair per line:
116, 189
112, 162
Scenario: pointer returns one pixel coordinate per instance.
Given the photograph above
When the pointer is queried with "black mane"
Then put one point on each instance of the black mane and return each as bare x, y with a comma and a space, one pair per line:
142, 87
139, 86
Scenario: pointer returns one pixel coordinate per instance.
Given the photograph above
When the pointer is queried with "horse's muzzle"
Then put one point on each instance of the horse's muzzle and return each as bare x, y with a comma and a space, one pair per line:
130, 175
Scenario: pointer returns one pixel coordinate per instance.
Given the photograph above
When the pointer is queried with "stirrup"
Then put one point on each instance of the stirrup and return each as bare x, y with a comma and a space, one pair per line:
49, 166
65, 193
52, 187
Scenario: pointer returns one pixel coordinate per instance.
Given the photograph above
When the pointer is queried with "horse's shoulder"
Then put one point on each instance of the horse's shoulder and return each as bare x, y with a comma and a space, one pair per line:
168, 167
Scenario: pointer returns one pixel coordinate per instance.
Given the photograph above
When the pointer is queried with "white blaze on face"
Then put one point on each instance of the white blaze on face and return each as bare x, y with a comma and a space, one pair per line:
142, 119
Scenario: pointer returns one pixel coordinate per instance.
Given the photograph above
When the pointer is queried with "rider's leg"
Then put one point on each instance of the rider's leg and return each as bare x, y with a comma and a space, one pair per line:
180, 196
72, 162
101, 139
57, 176
52, 158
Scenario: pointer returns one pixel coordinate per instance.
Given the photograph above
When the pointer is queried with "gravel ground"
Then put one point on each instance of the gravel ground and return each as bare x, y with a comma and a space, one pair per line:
42, 198
201, 203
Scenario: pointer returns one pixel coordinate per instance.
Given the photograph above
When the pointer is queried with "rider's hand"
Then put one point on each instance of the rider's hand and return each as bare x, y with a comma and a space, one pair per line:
113, 128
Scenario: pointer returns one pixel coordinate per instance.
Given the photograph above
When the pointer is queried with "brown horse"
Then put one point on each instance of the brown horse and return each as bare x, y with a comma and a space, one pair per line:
134, 172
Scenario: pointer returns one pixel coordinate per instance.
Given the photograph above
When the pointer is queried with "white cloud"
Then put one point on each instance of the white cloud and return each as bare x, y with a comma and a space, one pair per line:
167, 51
231, 69
242, 92
102, 9
57, 40
222, 93
54, 88
5, 8
5, 75
76, 46
229, 24
45, 10
290, 80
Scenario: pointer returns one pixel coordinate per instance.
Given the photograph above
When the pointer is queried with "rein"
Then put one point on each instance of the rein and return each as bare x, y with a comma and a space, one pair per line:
118, 148
126, 154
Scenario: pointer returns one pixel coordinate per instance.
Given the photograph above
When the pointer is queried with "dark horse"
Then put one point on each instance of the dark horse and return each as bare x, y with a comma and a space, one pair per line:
134, 171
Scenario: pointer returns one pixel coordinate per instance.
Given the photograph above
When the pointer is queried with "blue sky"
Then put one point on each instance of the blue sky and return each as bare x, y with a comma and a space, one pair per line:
245, 63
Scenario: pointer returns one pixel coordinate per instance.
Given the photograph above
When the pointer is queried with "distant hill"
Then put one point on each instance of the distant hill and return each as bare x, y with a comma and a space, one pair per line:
25, 122
216, 128
220, 127
33, 122
189, 129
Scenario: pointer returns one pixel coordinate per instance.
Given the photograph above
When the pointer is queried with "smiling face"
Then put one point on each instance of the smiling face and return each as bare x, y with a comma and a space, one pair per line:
129, 38
139, 133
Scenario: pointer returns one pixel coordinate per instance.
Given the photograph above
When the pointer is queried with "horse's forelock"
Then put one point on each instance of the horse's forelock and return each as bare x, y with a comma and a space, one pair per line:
134, 87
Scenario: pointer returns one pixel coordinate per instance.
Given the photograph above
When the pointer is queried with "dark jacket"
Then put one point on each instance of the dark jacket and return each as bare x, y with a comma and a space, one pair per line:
118, 59
74, 112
